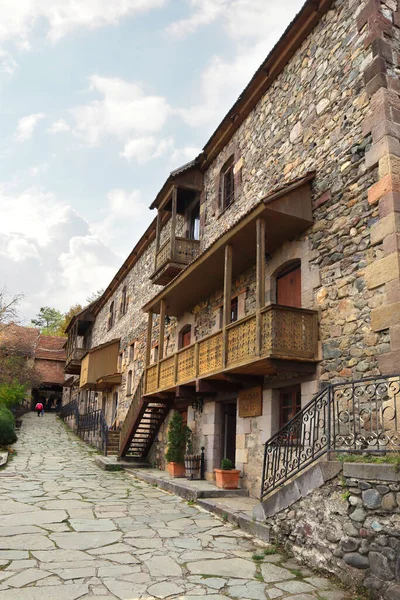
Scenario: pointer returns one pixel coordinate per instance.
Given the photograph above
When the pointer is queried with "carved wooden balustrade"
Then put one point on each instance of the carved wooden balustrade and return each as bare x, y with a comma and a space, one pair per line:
184, 252
283, 333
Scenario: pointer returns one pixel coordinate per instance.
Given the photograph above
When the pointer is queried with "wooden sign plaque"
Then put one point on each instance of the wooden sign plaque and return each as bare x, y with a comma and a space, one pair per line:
250, 402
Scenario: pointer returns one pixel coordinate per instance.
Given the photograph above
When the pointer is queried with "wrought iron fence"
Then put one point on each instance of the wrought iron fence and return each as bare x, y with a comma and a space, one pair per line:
93, 421
357, 417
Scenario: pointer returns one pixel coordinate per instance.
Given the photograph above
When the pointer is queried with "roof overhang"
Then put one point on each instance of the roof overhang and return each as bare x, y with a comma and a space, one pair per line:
287, 213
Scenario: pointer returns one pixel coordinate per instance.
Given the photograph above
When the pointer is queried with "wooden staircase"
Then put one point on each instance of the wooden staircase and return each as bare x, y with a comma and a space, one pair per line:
142, 422
113, 442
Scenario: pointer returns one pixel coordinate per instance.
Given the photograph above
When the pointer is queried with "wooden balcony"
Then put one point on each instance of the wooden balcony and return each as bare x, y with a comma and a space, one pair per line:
73, 361
99, 369
255, 345
171, 258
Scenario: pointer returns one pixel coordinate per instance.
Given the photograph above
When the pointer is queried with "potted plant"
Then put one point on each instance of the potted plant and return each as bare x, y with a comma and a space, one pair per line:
192, 461
177, 440
227, 477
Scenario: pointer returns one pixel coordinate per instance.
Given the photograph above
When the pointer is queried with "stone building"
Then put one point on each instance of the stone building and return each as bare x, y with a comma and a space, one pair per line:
272, 268
45, 361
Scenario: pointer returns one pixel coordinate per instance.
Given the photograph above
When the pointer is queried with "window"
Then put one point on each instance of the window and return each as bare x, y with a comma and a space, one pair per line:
234, 309
227, 184
290, 404
129, 384
194, 223
119, 364
111, 315
124, 302
131, 355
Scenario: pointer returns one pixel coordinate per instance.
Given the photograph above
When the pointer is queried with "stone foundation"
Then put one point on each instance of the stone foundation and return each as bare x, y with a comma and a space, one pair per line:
349, 527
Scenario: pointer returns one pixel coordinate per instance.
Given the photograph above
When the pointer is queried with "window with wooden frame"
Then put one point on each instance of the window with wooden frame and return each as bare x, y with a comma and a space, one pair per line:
227, 184
234, 309
111, 315
129, 384
289, 404
124, 302
194, 222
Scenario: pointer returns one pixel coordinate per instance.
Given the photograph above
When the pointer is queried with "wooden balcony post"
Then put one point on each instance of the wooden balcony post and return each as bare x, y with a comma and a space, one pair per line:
162, 330
260, 280
148, 342
226, 311
173, 221
158, 237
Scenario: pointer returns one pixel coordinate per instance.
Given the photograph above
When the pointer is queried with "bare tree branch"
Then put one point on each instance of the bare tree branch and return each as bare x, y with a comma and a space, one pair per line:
8, 308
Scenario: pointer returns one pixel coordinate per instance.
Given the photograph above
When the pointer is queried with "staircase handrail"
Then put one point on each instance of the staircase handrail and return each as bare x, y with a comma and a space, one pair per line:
344, 417
94, 420
130, 415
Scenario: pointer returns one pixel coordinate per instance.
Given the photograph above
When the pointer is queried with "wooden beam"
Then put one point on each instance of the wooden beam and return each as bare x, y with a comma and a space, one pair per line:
260, 280
173, 221
158, 235
161, 330
226, 309
148, 342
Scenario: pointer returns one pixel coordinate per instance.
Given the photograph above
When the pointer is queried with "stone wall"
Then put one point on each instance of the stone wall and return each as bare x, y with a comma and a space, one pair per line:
311, 119
349, 527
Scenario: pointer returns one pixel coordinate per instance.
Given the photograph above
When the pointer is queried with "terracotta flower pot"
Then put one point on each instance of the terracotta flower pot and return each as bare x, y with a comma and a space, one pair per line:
227, 479
176, 469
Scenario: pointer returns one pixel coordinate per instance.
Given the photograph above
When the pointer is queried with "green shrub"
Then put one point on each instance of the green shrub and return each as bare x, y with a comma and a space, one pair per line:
178, 436
226, 464
11, 394
7, 432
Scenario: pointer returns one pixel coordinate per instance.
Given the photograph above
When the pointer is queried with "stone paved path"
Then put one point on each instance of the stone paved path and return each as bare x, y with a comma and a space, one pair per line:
69, 530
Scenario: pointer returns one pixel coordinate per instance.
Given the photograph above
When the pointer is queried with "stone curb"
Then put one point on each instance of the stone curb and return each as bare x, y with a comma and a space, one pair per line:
238, 518
180, 489
374, 471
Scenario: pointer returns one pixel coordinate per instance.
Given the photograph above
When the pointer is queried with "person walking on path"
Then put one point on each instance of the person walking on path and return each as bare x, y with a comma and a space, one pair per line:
39, 409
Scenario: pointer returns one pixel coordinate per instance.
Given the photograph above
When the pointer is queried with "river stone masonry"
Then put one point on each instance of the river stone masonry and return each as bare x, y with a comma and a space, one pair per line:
349, 527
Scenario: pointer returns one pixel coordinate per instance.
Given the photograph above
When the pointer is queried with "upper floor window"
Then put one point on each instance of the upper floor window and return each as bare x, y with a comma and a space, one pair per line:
111, 315
124, 302
227, 184
234, 309
119, 364
131, 355
185, 336
129, 384
194, 223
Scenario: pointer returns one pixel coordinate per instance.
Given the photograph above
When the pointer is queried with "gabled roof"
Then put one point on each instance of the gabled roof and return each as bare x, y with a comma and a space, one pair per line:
50, 348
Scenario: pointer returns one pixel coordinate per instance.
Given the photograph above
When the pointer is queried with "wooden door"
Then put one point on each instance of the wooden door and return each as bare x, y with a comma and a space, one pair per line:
229, 432
288, 288
186, 336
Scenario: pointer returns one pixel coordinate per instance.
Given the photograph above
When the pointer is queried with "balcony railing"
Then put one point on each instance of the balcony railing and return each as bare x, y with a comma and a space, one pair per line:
183, 252
277, 332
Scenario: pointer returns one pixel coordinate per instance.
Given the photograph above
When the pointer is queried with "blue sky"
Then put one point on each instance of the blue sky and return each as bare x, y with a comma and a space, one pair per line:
99, 101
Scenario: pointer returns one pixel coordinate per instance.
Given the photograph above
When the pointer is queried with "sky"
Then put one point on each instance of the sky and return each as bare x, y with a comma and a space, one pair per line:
99, 101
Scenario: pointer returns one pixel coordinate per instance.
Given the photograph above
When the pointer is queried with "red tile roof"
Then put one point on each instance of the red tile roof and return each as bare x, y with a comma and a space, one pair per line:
50, 348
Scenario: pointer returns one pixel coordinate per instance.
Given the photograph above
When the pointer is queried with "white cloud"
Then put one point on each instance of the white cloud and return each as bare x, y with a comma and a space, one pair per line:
49, 252
62, 17
254, 26
123, 111
204, 13
26, 126
38, 170
7, 63
59, 127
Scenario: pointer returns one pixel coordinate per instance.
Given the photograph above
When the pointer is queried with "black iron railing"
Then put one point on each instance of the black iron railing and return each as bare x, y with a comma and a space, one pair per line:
357, 417
95, 423
69, 409
91, 422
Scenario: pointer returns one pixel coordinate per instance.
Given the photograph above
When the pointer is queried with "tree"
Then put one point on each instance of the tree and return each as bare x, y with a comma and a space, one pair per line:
95, 295
8, 308
70, 314
49, 320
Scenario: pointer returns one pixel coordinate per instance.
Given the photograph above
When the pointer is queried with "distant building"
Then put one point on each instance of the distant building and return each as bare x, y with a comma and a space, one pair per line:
45, 355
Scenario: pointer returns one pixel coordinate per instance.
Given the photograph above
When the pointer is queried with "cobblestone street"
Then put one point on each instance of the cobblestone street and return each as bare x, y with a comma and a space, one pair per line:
69, 530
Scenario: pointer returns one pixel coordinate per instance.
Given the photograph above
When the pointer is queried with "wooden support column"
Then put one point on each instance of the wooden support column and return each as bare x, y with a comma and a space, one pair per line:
158, 236
162, 330
260, 279
173, 221
226, 311
148, 343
